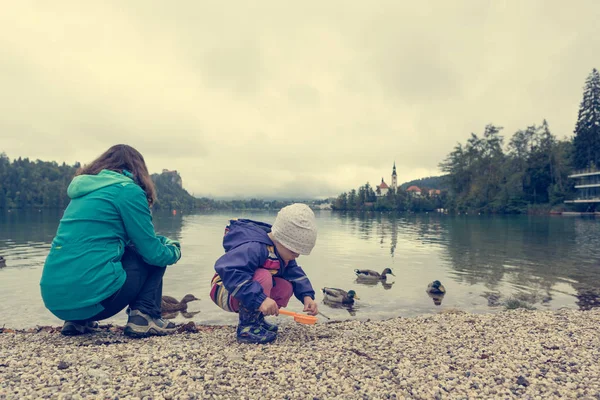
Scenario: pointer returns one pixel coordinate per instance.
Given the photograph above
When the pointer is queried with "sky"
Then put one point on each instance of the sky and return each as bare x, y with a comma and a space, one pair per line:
285, 98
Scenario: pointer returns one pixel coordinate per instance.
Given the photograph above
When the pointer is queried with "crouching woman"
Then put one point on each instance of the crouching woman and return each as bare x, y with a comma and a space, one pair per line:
106, 255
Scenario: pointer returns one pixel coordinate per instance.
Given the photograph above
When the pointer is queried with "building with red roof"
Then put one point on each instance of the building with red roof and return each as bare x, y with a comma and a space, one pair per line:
382, 188
414, 190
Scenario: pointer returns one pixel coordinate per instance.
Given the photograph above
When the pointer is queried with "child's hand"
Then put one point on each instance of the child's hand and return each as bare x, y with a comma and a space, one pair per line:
269, 307
310, 305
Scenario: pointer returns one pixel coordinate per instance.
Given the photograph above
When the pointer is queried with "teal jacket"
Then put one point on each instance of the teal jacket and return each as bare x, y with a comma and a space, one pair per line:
107, 212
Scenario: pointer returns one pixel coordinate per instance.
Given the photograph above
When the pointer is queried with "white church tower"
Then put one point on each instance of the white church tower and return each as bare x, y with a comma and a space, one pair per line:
394, 178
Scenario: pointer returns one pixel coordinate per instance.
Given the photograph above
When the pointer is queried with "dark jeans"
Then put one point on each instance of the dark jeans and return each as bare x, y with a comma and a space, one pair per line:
142, 289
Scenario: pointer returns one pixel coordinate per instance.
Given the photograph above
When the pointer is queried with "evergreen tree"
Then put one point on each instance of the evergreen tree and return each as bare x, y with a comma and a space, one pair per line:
352, 200
587, 129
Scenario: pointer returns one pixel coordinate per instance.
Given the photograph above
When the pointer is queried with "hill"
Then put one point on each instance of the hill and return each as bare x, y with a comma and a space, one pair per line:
170, 192
432, 182
43, 184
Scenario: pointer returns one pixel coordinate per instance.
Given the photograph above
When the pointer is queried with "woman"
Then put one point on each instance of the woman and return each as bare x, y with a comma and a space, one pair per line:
106, 254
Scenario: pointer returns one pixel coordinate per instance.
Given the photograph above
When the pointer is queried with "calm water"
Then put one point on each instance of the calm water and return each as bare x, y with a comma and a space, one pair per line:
552, 262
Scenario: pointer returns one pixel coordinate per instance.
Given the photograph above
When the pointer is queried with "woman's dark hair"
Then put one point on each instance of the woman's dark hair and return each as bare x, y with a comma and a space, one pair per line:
123, 157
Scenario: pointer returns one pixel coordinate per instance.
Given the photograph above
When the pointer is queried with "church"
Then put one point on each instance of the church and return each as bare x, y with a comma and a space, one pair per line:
383, 188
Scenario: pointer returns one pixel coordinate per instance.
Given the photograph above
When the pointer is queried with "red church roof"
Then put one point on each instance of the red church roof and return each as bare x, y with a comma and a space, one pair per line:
383, 185
413, 189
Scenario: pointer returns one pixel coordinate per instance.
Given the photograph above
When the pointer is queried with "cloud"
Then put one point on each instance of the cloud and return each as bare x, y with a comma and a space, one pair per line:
285, 99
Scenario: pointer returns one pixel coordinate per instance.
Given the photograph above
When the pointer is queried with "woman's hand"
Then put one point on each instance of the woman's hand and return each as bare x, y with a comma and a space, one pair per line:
177, 250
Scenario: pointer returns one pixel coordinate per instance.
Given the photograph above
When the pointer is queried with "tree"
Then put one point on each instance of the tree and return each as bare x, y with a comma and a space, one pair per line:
341, 203
533, 171
587, 129
352, 200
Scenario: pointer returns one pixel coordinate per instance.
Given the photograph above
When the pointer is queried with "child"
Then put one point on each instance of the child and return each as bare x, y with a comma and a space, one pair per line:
258, 273
106, 254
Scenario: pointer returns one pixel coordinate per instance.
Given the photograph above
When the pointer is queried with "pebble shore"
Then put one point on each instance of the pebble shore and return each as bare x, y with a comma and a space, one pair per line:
510, 354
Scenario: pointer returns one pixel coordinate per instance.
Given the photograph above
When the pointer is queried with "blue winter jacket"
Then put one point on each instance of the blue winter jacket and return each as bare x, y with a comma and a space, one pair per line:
245, 244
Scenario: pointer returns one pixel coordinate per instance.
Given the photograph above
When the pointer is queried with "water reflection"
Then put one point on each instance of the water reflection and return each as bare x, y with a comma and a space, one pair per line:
484, 262
533, 254
175, 314
588, 296
437, 298
350, 308
26, 227
533, 258
386, 285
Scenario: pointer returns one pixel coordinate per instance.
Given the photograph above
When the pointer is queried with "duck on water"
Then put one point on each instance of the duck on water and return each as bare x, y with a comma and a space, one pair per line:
368, 274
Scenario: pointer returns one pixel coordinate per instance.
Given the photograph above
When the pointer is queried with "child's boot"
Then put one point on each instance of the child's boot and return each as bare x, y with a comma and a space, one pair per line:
266, 325
250, 330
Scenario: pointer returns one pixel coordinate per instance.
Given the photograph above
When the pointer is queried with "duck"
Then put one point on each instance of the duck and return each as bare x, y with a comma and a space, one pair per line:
339, 296
373, 275
436, 287
2, 262
170, 304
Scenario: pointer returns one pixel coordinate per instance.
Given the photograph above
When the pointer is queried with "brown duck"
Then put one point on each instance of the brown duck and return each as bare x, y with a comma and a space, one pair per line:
170, 304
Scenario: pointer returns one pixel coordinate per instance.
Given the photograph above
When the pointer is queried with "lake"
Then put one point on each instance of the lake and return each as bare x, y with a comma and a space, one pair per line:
549, 262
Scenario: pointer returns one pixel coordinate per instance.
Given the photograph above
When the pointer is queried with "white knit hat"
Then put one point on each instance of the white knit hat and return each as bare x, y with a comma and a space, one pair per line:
296, 228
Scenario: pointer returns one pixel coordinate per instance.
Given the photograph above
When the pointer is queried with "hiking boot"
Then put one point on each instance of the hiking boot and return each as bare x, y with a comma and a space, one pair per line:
250, 329
74, 328
266, 325
141, 325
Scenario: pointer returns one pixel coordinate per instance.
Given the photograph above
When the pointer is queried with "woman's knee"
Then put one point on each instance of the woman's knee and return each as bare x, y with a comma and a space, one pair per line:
131, 260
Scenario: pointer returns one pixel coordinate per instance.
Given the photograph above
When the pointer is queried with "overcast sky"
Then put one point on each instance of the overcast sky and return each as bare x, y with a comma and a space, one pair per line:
289, 98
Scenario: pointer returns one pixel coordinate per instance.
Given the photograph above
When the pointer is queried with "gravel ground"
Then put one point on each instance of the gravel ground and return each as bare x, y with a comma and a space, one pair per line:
511, 354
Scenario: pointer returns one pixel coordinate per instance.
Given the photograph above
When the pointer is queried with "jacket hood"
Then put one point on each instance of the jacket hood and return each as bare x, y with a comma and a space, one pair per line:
245, 230
85, 184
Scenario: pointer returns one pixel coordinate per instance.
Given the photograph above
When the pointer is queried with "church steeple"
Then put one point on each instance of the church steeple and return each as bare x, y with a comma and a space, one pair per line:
394, 177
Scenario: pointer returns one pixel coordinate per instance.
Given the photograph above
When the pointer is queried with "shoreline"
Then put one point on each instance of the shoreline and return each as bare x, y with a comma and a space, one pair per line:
192, 327
509, 354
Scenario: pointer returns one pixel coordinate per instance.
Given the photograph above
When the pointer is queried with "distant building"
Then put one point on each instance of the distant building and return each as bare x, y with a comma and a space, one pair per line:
587, 183
175, 177
382, 189
414, 191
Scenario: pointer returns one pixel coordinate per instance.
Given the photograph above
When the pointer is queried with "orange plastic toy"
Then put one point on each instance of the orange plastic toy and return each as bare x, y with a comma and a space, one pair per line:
301, 318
